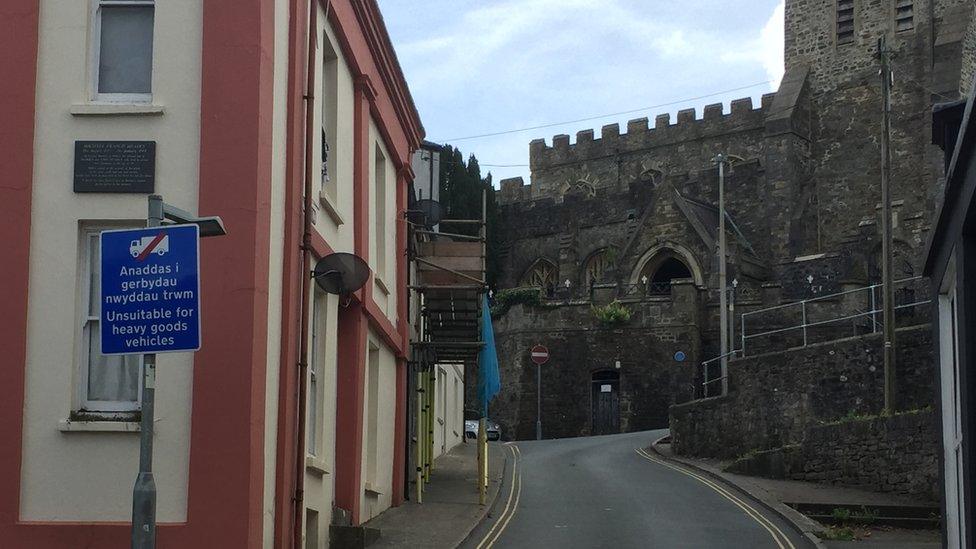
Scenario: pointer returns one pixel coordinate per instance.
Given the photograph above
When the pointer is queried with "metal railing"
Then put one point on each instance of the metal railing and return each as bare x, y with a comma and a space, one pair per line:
707, 382
874, 300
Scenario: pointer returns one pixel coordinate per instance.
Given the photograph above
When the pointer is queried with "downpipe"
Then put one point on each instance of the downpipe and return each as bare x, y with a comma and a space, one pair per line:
305, 283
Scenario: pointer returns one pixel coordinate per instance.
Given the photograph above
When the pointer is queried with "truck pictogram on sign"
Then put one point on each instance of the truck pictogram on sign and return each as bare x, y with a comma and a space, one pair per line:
157, 244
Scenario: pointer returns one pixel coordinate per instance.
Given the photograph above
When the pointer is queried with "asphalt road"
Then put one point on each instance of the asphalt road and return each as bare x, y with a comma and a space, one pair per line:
603, 492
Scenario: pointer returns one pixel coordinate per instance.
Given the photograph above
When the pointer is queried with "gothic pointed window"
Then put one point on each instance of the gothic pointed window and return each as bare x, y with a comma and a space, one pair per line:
599, 266
542, 274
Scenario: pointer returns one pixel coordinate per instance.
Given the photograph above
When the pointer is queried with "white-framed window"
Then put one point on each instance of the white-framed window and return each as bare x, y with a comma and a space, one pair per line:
372, 413
122, 50
330, 118
316, 355
379, 209
950, 369
106, 383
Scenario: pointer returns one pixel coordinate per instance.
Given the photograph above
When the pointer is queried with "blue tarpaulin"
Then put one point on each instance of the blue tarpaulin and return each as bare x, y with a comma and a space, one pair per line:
489, 380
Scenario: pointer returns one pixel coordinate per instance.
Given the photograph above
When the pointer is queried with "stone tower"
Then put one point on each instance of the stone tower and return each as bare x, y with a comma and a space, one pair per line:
835, 42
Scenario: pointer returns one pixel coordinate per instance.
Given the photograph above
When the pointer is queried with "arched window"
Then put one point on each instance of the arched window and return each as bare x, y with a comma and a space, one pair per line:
660, 272
598, 266
542, 274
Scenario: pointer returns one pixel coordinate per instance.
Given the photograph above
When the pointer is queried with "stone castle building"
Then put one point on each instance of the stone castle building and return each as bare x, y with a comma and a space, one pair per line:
632, 217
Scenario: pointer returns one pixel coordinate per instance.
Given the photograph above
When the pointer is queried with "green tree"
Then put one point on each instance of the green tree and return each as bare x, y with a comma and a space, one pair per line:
461, 186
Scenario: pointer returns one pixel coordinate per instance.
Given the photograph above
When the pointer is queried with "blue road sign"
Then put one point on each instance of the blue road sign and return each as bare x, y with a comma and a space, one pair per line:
150, 294
680, 356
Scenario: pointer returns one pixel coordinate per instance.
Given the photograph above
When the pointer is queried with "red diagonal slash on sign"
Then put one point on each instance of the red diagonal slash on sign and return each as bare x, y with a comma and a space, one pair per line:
151, 246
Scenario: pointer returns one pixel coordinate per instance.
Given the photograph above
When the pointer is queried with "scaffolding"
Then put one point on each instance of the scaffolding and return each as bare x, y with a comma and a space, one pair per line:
450, 284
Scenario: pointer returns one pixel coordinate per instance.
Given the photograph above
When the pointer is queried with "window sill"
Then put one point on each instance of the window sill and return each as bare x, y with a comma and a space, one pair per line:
381, 285
316, 465
327, 203
115, 109
371, 489
69, 426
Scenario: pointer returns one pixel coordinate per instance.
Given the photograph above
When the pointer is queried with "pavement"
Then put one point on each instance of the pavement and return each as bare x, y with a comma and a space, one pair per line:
607, 491
450, 509
774, 494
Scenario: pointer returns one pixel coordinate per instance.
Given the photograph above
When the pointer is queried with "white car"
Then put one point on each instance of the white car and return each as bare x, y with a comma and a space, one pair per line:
471, 418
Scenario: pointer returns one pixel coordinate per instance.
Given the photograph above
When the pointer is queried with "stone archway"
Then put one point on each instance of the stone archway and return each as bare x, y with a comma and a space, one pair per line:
657, 275
670, 255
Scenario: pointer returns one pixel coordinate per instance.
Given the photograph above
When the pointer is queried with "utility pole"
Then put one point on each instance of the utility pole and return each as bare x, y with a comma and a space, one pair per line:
887, 288
721, 159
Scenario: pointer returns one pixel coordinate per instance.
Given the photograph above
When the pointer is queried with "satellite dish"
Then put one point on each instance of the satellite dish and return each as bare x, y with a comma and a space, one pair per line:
426, 212
341, 273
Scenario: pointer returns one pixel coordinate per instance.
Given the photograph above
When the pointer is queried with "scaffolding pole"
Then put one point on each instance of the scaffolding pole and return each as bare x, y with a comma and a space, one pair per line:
450, 295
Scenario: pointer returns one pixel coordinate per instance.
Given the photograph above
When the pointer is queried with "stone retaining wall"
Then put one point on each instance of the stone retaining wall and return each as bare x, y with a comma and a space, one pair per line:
774, 398
897, 454
887, 454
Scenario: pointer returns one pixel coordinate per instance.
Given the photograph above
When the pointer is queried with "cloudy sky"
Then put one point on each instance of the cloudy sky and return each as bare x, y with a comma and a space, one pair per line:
482, 67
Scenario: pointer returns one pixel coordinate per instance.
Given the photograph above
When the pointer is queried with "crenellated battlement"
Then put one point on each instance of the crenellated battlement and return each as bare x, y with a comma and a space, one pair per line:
640, 136
514, 189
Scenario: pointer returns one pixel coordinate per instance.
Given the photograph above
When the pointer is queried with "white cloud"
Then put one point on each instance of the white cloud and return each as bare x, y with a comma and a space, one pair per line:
477, 68
766, 48
771, 43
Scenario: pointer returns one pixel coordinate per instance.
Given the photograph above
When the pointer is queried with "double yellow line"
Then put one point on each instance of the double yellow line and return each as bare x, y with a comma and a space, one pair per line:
514, 493
778, 536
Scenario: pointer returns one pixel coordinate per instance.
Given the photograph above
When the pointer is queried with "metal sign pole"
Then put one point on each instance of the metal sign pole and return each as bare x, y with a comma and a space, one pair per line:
538, 401
144, 492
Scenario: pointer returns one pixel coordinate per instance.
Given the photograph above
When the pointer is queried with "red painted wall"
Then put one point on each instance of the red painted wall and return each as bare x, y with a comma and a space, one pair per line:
18, 41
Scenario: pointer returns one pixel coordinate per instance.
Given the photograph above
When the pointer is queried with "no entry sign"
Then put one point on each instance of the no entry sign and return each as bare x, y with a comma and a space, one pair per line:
540, 354
150, 292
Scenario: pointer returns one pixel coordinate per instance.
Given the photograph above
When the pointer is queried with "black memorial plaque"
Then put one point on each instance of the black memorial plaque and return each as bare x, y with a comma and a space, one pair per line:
115, 166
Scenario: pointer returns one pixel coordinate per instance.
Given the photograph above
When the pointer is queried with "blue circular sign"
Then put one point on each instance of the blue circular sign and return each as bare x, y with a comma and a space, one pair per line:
680, 356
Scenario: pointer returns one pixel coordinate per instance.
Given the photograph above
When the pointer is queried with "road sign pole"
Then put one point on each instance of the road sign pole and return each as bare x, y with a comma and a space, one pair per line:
539, 355
538, 401
144, 492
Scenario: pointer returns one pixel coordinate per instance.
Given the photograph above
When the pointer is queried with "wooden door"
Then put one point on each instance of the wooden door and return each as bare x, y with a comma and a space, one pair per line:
606, 403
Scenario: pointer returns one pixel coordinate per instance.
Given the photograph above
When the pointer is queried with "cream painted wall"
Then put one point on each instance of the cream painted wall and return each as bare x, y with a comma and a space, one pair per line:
320, 461
334, 216
88, 476
275, 266
384, 293
448, 408
373, 503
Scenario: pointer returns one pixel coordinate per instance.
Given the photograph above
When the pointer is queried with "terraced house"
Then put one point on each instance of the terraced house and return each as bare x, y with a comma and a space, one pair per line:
292, 121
